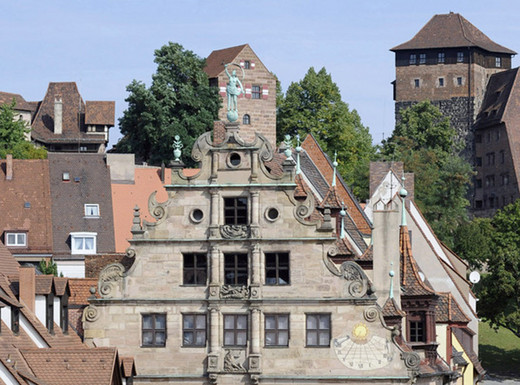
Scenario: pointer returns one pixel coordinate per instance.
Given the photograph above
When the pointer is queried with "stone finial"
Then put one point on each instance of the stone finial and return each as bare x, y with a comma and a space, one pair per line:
136, 222
177, 147
298, 150
334, 164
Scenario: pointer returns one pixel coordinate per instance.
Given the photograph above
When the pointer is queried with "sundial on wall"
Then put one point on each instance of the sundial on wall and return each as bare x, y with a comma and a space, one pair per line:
360, 350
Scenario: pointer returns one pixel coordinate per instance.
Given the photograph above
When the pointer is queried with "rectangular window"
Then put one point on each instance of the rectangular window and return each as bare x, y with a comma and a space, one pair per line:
235, 269
459, 80
440, 57
16, 239
416, 83
235, 330
460, 57
441, 82
154, 330
194, 330
247, 64
195, 269
277, 330
277, 268
502, 157
83, 243
256, 92
478, 183
91, 210
490, 156
416, 331
478, 161
498, 62
235, 211
318, 330
422, 58
413, 59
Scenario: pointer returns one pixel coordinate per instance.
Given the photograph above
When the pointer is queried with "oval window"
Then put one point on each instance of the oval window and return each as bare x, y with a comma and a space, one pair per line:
197, 215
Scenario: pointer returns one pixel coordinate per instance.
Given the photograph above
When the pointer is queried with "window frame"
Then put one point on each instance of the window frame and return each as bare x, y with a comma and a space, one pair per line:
195, 330
84, 236
154, 330
417, 83
422, 58
236, 269
195, 269
441, 82
318, 330
16, 235
413, 59
277, 330
235, 331
256, 92
498, 62
417, 330
247, 64
441, 57
235, 214
460, 57
277, 268
91, 205
246, 119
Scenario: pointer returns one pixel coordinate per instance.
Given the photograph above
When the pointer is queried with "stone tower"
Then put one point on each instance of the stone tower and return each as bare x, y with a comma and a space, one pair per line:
449, 62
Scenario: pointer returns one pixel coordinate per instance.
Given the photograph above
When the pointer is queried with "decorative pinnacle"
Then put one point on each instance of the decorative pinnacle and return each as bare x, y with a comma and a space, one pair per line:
335, 164
391, 274
298, 150
177, 147
136, 222
403, 194
288, 145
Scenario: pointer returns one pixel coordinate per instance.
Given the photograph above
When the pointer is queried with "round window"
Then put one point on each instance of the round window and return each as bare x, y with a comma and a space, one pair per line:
272, 214
196, 215
235, 159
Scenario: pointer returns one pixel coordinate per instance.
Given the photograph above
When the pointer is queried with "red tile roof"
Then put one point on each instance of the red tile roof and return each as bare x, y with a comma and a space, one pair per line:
8, 265
44, 284
21, 104
73, 366
80, 290
391, 309
216, 60
100, 113
451, 31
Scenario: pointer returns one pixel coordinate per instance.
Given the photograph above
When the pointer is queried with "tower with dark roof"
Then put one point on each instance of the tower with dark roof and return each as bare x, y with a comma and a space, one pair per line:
449, 62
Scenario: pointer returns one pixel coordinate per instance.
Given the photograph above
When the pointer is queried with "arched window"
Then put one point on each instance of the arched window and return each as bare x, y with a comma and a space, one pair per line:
246, 119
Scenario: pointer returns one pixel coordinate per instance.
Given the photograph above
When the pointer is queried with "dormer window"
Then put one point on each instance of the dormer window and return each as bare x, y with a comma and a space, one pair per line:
91, 210
13, 239
83, 243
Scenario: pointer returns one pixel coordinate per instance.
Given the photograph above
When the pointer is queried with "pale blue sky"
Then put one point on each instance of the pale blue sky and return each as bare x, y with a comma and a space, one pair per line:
102, 45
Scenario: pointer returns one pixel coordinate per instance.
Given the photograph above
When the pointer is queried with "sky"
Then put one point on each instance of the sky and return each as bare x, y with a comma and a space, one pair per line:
103, 45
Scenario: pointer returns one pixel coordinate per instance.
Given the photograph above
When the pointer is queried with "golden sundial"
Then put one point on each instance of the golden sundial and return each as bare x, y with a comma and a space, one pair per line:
360, 350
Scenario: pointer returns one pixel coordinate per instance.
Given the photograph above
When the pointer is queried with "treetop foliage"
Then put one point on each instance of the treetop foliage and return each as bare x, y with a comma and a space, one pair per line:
178, 102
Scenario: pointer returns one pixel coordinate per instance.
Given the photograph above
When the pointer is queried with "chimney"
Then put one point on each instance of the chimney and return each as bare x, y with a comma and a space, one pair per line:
58, 115
9, 167
27, 286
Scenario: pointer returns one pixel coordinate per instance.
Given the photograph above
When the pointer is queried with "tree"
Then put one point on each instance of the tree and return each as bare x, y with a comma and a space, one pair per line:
48, 267
425, 141
472, 242
12, 136
179, 102
314, 106
500, 289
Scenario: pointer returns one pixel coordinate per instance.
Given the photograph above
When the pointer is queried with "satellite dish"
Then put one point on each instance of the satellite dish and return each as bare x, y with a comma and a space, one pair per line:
422, 276
474, 277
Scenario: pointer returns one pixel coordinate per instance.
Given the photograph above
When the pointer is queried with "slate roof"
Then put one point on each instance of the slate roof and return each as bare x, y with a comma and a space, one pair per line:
216, 59
324, 165
73, 120
21, 104
89, 184
448, 310
100, 113
498, 92
73, 366
451, 30
391, 309
28, 186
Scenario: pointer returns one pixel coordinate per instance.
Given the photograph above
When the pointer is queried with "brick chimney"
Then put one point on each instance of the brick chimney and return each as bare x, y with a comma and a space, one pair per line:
9, 167
28, 286
58, 115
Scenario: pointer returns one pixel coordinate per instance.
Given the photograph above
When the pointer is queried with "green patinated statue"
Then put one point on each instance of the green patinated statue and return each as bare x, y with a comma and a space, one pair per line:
233, 90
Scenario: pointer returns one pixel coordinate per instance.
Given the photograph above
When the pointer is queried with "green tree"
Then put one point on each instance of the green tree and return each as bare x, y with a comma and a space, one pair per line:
12, 136
179, 102
48, 267
314, 106
425, 141
500, 289
472, 242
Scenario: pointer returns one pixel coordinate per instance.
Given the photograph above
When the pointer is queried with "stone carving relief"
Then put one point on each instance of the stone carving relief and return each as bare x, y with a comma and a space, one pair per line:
235, 292
156, 209
356, 283
110, 279
234, 231
130, 252
232, 361
90, 314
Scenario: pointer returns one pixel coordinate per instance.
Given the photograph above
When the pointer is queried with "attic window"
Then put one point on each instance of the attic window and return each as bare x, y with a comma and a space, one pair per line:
247, 64
460, 57
16, 239
65, 176
440, 57
413, 59
91, 210
498, 62
83, 243
422, 58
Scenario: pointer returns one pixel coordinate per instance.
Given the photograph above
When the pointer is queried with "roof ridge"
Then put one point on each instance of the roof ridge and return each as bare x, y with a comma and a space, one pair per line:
459, 16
